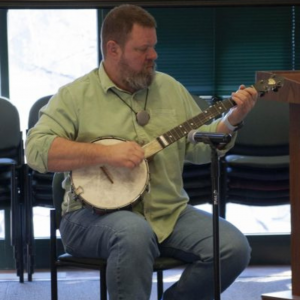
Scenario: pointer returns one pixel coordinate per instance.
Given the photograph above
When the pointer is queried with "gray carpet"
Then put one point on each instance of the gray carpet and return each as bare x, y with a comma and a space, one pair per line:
245, 288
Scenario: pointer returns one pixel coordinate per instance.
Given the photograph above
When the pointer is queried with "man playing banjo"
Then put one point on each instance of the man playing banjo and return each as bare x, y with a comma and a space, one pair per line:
98, 127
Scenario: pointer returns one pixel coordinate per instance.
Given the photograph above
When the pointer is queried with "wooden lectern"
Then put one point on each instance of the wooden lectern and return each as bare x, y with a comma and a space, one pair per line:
290, 93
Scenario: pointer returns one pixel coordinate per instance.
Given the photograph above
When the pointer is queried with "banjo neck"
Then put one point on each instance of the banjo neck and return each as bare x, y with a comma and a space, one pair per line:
183, 129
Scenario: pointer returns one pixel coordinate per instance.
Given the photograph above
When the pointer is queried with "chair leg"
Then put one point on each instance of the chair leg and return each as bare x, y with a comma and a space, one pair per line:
30, 263
20, 248
16, 216
160, 284
53, 255
53, 283
103, 287
29, 228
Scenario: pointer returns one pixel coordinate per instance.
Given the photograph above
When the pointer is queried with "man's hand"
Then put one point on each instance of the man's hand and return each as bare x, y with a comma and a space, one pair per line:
124, 154
245, 99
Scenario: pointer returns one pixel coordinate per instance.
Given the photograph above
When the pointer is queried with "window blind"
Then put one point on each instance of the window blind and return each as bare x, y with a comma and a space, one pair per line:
213, 50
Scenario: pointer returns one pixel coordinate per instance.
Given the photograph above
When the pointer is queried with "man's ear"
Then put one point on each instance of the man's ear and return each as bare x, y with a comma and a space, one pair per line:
113, 49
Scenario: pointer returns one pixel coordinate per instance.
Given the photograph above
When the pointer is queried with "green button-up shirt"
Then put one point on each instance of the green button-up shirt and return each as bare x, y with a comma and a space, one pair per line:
87, 109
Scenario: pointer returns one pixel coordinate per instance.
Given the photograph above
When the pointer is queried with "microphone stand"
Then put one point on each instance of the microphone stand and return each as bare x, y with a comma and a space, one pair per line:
215, 181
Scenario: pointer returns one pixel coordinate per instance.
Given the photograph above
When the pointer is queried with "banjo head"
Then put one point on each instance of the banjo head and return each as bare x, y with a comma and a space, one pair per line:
109, 188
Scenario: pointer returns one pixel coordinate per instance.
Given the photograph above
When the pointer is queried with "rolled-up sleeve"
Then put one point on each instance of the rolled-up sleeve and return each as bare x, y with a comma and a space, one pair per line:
57, 118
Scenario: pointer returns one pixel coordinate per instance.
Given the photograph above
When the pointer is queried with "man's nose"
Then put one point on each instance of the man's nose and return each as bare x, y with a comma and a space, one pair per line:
152, 54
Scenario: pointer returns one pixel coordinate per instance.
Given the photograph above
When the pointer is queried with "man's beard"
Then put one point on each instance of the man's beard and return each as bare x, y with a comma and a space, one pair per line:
136, 80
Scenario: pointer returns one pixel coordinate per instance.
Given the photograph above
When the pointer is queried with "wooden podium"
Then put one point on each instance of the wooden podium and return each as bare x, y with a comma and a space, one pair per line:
290, 93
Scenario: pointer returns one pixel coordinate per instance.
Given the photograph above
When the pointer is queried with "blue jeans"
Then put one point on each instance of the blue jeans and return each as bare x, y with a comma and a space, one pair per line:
127, 241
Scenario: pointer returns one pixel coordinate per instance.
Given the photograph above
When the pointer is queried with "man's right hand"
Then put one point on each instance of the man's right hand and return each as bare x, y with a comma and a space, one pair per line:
125, 154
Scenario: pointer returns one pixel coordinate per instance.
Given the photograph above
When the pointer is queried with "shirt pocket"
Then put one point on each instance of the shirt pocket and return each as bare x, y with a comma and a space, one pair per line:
162, 120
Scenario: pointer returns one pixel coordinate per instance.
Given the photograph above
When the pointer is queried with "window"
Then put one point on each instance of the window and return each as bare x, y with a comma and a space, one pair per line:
47, 49
260, 220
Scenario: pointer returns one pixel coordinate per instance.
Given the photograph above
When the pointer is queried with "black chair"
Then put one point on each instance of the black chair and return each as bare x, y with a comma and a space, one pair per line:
38, 191
67, 260
11, 176
257, 168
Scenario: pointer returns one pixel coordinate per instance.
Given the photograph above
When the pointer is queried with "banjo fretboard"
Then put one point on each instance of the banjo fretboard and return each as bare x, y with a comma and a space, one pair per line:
183, 129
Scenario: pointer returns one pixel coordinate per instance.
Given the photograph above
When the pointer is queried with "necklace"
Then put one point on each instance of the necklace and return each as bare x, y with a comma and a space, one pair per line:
142, 117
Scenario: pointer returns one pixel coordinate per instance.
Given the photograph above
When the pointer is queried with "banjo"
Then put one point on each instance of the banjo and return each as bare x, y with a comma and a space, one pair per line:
105, 189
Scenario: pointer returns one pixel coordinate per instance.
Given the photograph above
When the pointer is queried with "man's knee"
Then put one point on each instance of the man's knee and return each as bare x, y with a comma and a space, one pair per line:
137, 237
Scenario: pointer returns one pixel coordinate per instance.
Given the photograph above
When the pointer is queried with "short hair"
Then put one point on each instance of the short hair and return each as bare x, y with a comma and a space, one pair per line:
118, 24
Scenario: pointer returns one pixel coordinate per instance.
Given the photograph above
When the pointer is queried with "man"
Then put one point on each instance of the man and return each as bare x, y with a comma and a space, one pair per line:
127, 98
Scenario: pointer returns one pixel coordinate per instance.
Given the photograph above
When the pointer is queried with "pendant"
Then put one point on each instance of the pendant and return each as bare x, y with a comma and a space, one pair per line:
142, 117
